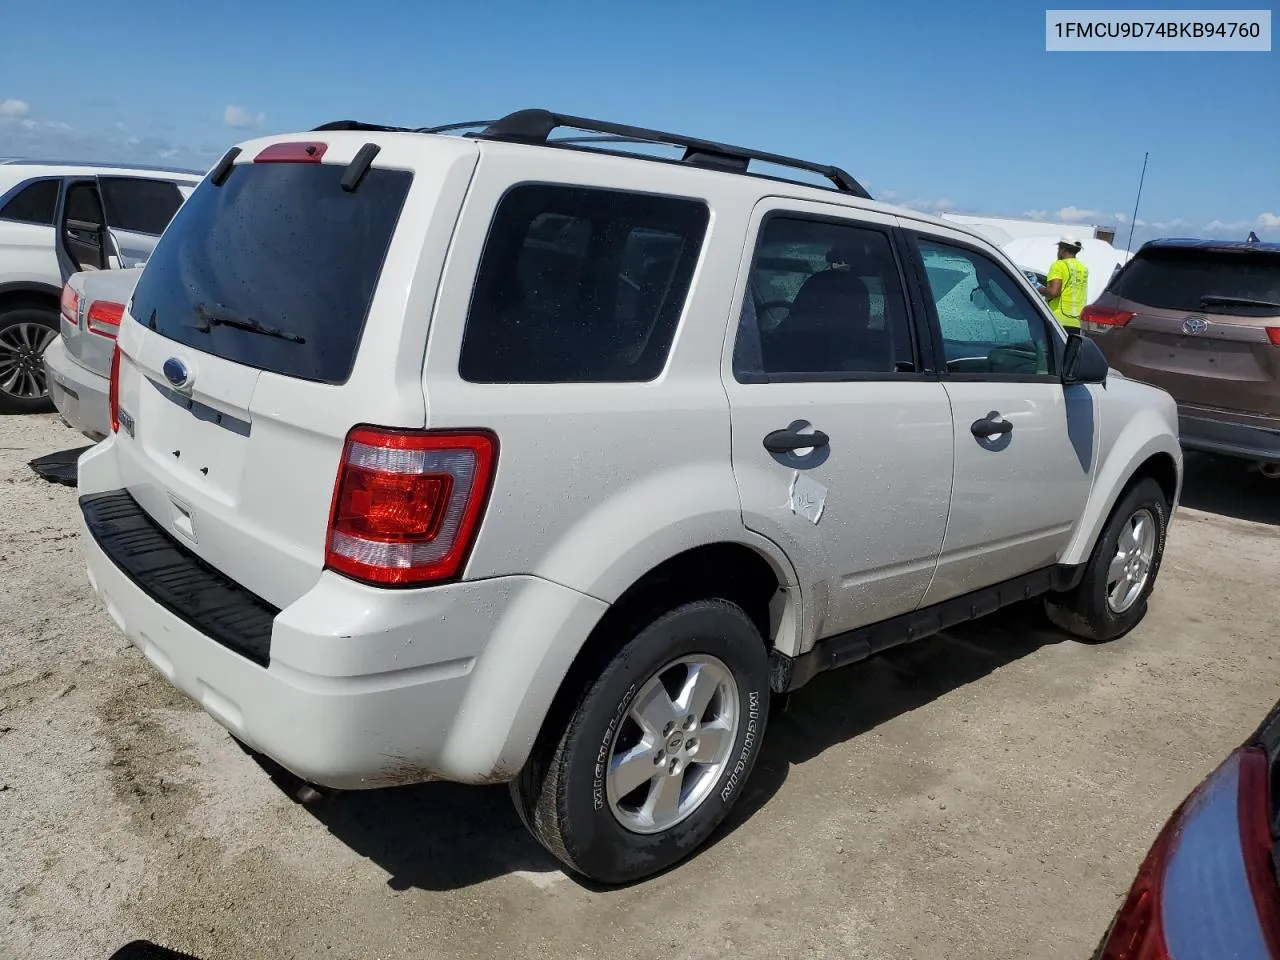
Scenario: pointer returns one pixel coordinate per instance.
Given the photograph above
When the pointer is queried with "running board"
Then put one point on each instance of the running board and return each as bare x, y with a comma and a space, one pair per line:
790, 673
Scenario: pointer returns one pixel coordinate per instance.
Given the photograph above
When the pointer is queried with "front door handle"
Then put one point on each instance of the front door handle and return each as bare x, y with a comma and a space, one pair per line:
992, 425
788, 441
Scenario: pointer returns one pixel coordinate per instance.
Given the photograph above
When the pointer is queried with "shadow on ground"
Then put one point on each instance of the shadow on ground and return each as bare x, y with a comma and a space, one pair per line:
440, 836
1226, 486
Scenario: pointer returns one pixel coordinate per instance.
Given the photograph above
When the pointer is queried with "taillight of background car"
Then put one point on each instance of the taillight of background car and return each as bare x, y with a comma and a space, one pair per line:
407, 504
1207, 889
1095, 319
103, 318
70, 305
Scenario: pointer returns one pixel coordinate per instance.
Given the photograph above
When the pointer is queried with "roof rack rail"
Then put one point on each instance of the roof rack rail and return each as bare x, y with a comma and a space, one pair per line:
536, 126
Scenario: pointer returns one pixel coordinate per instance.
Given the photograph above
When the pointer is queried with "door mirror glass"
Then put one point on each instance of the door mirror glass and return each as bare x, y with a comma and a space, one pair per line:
1083, 361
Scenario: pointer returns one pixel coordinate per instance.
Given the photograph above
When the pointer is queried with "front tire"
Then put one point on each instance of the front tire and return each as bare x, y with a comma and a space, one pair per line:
1111, 598
657, 749
25, 332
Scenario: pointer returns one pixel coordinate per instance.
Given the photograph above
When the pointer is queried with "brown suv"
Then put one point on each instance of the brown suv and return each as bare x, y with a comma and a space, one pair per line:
1201, 319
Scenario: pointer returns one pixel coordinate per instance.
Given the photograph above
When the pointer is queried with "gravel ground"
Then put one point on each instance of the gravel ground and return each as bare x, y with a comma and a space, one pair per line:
985, 794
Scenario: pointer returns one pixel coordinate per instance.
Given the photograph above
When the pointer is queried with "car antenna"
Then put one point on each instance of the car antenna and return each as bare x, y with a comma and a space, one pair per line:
1134, 222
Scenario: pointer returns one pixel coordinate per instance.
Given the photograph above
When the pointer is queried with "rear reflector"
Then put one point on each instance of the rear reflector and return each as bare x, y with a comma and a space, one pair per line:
70, 304
407, 504
1273, 334
292, 153
1094, 318
114, 390
104, 318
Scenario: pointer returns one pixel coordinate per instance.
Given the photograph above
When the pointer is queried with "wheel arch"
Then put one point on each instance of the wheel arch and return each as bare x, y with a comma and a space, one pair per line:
1158, 458
21, 293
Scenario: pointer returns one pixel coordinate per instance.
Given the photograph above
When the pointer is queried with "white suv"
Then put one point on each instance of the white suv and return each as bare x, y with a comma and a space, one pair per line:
505, 458
57, 219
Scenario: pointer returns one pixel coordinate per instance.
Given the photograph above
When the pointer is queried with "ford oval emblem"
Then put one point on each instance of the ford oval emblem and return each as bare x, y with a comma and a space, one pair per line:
176, 372
1195, 325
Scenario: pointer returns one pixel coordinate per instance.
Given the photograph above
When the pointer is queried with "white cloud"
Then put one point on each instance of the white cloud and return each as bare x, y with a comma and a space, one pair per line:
1269, 221
235, 116
1035, 214
1139, 222
1223, 226
1177, 223
1076, 214
169, 154
14, 109
935, 206
888, 194
1119, 218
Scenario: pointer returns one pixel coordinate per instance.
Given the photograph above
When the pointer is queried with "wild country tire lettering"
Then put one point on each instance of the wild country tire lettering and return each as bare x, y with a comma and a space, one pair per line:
753, 723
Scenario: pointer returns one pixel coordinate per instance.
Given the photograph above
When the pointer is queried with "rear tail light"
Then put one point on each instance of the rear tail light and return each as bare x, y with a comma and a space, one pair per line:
1273, 334
407, 504
1208, 887
1257, 844
114, 390
104, 318
1095, 319
70, 304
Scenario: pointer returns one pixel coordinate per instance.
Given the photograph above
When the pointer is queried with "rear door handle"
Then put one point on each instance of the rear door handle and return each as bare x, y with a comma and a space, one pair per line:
992, 425
787, 441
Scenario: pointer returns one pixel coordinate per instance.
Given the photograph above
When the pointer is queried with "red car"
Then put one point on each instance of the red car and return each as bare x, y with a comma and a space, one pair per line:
1207, 889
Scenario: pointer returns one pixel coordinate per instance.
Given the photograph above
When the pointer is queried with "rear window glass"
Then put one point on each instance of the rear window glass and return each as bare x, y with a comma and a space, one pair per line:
580, 285
275, 268
1179, 279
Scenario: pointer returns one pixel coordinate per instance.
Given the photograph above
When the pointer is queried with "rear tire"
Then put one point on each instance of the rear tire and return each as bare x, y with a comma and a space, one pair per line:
656, 750
25, 332
1111, 598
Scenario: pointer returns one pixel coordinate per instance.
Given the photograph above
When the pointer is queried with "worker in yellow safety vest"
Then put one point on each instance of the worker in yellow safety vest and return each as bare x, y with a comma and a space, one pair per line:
1068, 284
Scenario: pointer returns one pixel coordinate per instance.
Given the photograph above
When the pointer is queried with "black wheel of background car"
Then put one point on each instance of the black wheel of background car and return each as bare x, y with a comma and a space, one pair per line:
657, 749
24, 333
1111, 598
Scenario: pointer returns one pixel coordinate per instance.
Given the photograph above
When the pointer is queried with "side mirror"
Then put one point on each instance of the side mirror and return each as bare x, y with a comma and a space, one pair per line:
1083, 362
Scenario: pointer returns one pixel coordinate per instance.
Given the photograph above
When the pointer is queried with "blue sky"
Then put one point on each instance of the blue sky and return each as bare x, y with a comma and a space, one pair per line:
942, 106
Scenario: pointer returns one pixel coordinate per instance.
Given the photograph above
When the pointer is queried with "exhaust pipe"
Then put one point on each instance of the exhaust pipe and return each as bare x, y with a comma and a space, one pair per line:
1269, 470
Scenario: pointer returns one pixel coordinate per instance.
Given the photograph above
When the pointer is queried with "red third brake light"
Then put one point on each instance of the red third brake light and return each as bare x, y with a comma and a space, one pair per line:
407, 504
104, 318
294, 152
1095, 318
1273, 334
114, 390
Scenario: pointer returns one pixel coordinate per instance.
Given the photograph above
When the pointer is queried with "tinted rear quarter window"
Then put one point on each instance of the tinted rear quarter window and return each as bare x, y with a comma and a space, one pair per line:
138, 205
34, 203
580, 285
280, 245
1178, 279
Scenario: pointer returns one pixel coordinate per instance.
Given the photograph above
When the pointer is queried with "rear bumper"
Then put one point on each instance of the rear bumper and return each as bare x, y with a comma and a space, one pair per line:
1257, 440
365, 687
81, 396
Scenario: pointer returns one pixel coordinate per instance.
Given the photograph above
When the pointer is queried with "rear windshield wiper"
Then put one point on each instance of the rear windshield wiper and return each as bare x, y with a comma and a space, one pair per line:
211, 319
1218, 300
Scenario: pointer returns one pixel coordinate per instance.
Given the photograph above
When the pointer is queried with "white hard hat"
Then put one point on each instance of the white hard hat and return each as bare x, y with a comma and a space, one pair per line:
1069, 240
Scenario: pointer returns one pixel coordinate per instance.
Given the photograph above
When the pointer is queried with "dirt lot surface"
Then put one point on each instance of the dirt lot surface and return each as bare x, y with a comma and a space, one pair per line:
986, 794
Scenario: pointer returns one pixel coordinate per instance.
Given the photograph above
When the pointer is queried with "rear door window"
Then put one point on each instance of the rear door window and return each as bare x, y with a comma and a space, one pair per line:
1182, 278
138, 205
580, 285
34, 203
275, 268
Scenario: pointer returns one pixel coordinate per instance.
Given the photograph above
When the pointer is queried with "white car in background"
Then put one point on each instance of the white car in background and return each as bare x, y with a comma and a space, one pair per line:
78, 363
57, 219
